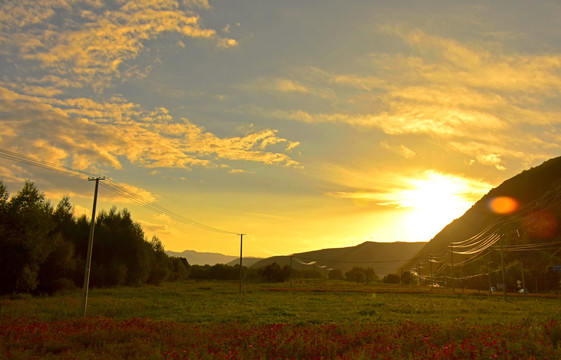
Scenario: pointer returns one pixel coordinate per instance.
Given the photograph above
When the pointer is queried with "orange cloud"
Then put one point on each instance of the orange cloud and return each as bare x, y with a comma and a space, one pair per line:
88, 134
94, 46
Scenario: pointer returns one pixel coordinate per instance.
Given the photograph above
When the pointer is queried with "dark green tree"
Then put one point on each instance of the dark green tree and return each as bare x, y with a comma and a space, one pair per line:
407, 278
275, 273
391, 279
26, 243
357, 274
336, 274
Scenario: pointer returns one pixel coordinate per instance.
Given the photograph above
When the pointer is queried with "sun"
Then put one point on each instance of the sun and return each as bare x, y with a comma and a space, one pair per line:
434, 201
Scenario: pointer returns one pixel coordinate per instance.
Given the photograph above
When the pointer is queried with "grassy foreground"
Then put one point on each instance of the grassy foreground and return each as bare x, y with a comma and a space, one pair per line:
211, 320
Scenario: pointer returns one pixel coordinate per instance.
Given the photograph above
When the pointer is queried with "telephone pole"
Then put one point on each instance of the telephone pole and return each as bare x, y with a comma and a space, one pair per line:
290, 275
241, 268
431, 260
452, 267
523, 280
502, 260
420, 275
489, 269
90, 246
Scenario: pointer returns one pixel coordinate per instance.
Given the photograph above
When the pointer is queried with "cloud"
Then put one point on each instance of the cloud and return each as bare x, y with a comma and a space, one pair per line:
95, 42
408, 119
405, 188
459, 93
227, 43
285, 85
86, 134
401, 150
159, 230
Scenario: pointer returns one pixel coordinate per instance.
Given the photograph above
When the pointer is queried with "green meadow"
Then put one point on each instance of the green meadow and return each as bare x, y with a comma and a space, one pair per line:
208, 302
213, 320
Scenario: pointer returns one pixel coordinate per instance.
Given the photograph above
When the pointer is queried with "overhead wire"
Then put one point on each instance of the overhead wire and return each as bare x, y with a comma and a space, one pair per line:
110, 185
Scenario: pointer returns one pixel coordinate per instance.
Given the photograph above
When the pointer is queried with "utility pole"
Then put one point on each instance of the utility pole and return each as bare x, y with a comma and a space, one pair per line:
489, 269
523, 281
502, 260
241, 267
314, 279
290, 275
90, 246
431, 274
420, 275
452, 267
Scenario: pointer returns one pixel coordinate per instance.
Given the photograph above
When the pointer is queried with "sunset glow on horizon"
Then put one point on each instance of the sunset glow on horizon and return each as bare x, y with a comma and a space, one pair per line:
303, 125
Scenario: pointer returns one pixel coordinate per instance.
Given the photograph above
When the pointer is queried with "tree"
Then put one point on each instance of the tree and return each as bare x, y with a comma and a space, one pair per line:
119, 249
407, 278
357, 274
43, 250
26, 243
371, 275
159, 270
391, 279
336, 274
275, 273
179, 268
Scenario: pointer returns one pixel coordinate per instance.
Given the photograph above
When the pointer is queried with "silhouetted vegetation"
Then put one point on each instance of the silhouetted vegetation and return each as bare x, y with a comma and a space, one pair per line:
43, 249
391, 279
361, 274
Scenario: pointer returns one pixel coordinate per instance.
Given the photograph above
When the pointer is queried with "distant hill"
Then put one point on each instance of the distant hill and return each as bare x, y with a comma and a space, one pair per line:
202, 258
384, 258
247, 261
538, 192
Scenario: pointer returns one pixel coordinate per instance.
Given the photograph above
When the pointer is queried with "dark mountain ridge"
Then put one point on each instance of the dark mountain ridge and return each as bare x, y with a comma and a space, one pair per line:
202, 258
536, 221
384, 258
527, 188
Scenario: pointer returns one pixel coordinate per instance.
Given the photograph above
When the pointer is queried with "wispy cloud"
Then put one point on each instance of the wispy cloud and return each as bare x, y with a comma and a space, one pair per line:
405, 190
460, 93
95, 42
87, 134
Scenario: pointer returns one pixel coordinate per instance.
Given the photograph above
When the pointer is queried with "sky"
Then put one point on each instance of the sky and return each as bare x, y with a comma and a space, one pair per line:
302, 124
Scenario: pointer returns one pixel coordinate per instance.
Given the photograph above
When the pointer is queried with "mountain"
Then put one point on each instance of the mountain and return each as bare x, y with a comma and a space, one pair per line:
247, 261
534, 225
202, 258
384, 258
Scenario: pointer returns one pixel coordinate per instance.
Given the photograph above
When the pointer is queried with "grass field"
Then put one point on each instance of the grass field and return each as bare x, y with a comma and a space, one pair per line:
339, 320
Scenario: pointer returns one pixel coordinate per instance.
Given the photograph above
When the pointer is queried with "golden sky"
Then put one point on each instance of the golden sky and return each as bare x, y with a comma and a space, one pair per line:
305, 125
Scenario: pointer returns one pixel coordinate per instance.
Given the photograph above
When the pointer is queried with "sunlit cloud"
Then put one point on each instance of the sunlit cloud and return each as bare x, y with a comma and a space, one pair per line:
158, 229
227, 43
286, 85
81, 211
87, 133
427, 189
95, 44
461, 93
12, 173
401, 150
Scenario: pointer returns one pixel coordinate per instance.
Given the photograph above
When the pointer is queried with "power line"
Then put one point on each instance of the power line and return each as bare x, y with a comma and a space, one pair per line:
110, 185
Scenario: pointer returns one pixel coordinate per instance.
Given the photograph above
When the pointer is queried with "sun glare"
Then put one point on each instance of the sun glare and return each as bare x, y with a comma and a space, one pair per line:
434, 201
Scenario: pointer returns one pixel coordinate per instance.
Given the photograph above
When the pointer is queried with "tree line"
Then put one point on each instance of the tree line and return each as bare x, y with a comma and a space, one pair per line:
43, 247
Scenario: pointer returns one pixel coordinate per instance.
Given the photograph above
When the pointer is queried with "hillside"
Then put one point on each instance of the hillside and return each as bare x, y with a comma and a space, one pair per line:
384, 258
202, 258
247, 261
537, 190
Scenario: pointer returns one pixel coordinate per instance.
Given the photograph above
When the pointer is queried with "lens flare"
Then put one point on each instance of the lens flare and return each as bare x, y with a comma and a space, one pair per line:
541, 224
503, 205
